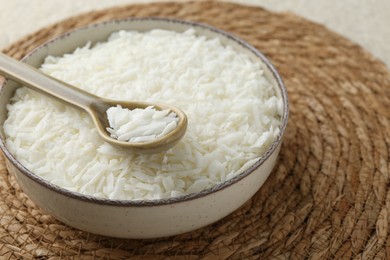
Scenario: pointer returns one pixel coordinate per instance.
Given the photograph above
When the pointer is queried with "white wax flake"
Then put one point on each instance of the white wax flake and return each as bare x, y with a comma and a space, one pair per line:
140, 125
234, 114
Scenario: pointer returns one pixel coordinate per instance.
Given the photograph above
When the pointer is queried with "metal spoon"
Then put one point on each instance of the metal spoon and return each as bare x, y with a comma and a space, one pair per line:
94, 105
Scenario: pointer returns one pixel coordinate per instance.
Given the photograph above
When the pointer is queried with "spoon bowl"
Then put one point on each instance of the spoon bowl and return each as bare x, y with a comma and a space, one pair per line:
94, 105
97, 111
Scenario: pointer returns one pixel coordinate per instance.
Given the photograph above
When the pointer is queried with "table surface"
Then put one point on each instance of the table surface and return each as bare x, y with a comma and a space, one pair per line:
364, 22
328, 197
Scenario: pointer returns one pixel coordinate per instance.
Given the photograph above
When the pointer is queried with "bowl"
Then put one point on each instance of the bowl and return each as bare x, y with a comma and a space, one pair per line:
145, 218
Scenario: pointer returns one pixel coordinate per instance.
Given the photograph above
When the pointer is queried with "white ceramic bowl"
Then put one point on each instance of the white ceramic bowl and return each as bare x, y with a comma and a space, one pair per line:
142, 219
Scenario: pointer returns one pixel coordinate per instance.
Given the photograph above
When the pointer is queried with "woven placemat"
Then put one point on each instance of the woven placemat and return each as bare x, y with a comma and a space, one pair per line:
329, 195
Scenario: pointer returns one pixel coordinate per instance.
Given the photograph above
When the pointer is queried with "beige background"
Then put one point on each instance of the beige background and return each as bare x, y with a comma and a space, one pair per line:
366, 22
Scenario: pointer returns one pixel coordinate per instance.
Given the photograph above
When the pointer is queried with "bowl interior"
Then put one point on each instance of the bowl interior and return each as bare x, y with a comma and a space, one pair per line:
68, 42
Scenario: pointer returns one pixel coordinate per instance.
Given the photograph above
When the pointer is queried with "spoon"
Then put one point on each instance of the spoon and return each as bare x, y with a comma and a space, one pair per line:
95, 106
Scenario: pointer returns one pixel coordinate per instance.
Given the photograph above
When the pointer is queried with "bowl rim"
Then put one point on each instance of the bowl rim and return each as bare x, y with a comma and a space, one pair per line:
172, 200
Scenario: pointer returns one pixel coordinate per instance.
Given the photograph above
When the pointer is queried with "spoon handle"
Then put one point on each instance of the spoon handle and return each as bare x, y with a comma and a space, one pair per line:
37, 80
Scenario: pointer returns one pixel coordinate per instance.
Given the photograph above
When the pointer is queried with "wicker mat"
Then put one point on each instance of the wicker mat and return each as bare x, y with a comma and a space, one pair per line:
329, 195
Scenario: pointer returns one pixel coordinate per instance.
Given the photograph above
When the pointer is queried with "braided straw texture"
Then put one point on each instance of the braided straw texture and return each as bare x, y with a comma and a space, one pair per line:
329, 195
